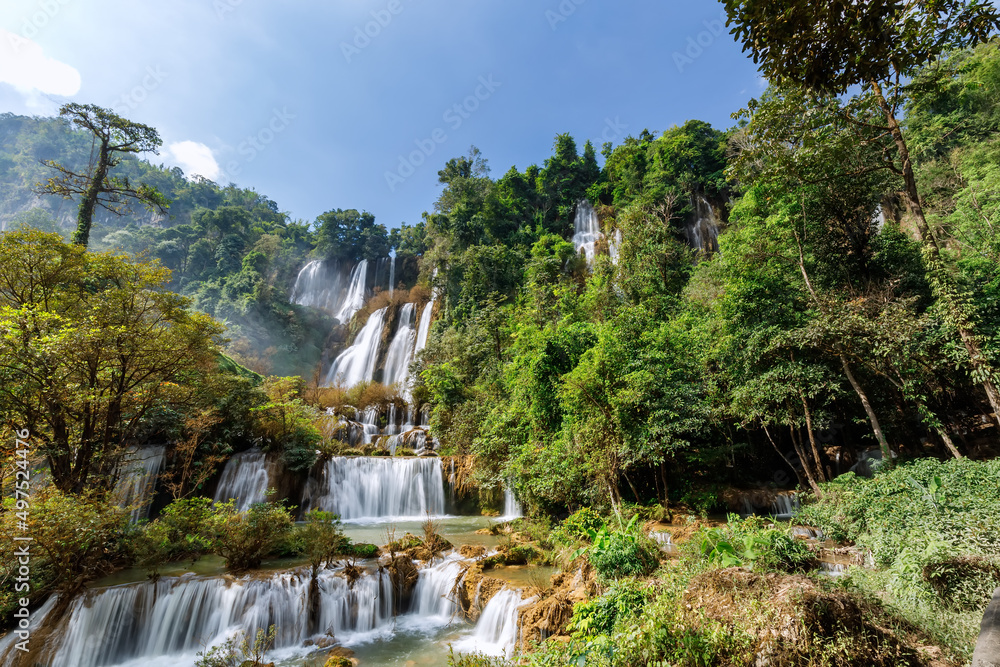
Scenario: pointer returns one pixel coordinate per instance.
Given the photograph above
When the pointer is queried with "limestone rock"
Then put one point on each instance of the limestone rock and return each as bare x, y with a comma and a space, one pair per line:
988, 647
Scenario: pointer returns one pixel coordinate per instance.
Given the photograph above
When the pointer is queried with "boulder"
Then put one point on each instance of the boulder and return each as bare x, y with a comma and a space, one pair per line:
988, 647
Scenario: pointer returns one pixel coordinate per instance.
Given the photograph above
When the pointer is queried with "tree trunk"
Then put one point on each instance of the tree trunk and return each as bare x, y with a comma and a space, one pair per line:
876, 427
812, 438
85, 215
805, 463
784, 458
947, 441
980, 366
632, 486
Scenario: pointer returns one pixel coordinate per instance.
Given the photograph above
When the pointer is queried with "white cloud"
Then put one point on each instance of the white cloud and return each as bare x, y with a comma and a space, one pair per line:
24, 65
194, 158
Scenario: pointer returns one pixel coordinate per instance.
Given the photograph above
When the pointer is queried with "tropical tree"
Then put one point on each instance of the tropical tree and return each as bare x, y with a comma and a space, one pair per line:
89, 343
832, 46
113, 137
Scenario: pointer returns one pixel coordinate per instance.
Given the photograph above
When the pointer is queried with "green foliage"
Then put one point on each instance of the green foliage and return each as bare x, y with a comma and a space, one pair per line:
237, 651
246, 538
598, 616
620, 553
913, 505
577, 526
322, 538
186, 529
753, 542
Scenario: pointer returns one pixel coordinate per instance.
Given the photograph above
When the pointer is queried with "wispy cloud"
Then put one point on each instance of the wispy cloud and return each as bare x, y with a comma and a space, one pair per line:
24, 65
194, 158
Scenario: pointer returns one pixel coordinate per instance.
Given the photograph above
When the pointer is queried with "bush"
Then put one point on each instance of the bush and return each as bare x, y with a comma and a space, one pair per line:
625, 599
621, 553
753, 542
322, 539
362, 550
246, 538
577, 527
186, 529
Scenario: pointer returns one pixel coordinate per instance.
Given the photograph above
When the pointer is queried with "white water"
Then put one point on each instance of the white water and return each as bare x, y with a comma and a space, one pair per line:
392, 274
168, 622
397, 361
374, 488
497, 629
356, 290
425, 325
511, 507
138, 480
586, 229
245, 479
318, 286
356, 364
703, 232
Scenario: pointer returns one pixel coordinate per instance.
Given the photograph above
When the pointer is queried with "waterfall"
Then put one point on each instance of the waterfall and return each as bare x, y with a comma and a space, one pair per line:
169, 621
377, 488
138, 480
355, 298
425, 325
356, 364
397, 361
318, 286
245, 479
392, 274
432, 598
785, 506
511, 507
496, 631
614, 246
703, 232
586, 229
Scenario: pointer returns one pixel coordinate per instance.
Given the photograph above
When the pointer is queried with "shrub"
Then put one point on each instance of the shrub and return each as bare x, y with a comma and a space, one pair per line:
362, 550
753, 542
246, 538
238, 652
186, 529
621, 553
599, 615
577, 527
322, 538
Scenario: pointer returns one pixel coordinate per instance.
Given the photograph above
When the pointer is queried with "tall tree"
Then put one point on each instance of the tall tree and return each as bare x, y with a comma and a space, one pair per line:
89, 343
114, 137
832, 46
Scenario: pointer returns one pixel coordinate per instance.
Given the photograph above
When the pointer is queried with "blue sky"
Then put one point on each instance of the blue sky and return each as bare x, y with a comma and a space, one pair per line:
358, 103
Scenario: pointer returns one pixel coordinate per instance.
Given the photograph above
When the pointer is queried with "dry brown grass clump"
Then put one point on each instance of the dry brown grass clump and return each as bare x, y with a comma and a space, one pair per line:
795, 622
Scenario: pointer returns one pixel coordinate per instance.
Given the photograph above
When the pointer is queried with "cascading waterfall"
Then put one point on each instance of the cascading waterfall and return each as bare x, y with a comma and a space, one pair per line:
703, 231
372, 488
392, 274
169, 621
318, 285
586, 229
355, 298
244, 479
164, 623
511, 507
356, 364
496, 631
432, 596
425, 325
397, 361
138, 480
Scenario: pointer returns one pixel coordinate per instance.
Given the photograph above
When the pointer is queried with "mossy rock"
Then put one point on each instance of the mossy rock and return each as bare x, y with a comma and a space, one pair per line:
405, 452
338, 661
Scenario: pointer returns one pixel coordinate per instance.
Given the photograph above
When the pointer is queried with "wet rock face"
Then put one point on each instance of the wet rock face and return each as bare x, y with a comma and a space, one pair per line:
404, 577
988, 647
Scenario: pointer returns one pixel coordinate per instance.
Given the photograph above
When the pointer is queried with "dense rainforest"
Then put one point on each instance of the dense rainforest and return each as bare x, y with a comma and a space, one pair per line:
654, 332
